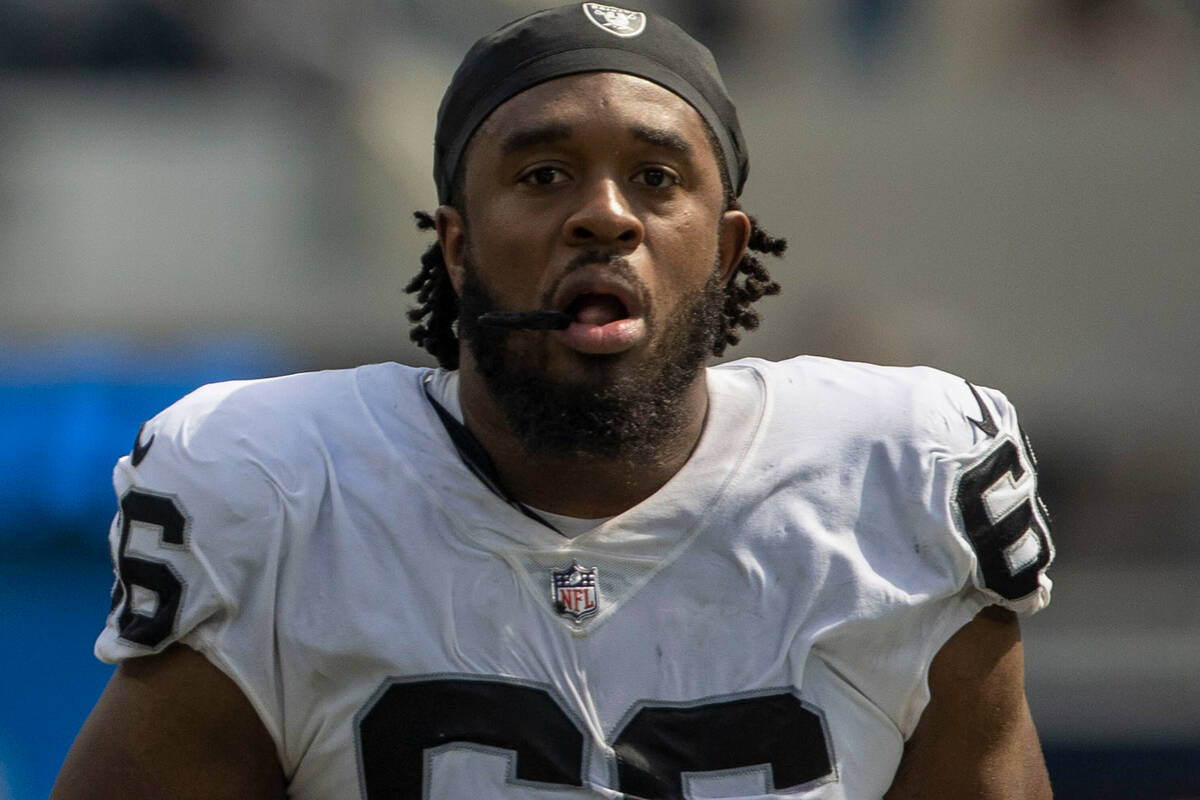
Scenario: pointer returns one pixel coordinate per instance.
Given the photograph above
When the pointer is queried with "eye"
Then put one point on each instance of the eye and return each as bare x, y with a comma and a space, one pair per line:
544, 176
657, 177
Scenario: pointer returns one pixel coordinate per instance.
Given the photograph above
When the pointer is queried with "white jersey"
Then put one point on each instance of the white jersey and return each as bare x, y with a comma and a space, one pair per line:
762, 626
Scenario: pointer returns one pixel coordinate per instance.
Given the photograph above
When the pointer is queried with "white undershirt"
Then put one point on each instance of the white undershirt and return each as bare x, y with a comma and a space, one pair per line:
569, 527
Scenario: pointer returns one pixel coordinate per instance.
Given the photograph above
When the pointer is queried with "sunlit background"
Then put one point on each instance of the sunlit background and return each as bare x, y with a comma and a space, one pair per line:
1007, 190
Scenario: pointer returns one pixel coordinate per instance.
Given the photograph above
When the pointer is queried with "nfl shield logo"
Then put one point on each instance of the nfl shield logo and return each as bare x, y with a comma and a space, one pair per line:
573, 591
617, 21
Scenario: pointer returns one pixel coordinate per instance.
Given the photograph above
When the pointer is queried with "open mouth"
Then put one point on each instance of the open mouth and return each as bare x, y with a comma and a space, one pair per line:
605, 313
593, 308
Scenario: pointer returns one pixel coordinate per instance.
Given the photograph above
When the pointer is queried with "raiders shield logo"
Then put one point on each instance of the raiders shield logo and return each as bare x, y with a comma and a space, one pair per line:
617, 21
573, 591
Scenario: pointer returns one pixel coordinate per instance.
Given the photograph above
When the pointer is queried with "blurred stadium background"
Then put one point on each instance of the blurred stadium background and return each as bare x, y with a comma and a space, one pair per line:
1010, 191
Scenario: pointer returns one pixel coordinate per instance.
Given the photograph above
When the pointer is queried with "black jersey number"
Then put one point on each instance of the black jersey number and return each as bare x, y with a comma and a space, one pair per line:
154, 626
1013, 548
655, 748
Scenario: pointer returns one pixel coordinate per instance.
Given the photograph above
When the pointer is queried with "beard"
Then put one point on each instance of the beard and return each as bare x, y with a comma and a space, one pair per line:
615, 410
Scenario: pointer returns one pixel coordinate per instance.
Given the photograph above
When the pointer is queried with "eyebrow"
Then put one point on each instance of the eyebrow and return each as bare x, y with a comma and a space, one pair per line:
663, 138
531, 138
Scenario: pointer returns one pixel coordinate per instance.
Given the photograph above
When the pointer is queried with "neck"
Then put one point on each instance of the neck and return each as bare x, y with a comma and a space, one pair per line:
579, 485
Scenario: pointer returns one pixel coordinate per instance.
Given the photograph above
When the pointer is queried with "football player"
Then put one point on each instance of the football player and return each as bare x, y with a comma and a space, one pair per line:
574, 561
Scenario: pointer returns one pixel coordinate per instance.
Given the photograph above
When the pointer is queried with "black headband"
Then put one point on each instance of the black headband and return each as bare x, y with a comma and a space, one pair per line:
587, 37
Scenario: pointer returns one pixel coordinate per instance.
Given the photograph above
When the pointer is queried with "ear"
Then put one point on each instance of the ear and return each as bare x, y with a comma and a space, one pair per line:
732, 239
451, 233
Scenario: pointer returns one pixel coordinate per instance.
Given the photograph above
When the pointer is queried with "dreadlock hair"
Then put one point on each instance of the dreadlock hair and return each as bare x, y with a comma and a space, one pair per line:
437, 312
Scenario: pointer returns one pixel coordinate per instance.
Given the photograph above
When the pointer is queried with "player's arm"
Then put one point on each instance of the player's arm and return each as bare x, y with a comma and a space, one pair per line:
171, 726
976, 737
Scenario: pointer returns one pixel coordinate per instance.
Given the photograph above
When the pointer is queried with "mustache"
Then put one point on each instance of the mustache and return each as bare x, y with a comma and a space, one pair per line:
619, 265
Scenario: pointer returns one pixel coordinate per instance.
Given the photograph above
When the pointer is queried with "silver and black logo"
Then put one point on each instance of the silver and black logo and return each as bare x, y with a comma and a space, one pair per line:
617, 21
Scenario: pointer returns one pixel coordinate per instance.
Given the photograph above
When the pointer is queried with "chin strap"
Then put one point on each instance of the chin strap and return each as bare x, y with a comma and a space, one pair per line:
476, 459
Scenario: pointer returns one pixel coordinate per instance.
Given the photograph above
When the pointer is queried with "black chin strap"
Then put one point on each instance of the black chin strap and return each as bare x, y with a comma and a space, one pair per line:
476, 459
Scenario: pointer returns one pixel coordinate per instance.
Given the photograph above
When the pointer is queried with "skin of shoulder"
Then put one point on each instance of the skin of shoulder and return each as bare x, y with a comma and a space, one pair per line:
171, 725
976, 738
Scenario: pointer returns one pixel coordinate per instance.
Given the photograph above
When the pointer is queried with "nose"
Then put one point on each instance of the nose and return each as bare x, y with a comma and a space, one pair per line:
604, 217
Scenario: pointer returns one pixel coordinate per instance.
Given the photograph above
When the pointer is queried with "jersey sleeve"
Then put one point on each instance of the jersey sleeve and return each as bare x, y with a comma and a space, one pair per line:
197, 543
985, 538
925, 501
986, 495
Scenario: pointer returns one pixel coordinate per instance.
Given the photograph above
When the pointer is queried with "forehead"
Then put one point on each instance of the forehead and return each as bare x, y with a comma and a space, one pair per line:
583, 102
